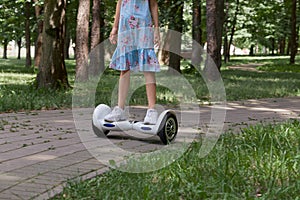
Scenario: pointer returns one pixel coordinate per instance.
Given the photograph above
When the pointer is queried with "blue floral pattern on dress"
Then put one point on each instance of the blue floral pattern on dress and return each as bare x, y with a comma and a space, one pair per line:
135, 49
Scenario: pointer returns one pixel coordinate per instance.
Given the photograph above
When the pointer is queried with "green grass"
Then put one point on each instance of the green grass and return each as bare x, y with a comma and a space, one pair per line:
263, 161
17, 91
280, 68
265, 60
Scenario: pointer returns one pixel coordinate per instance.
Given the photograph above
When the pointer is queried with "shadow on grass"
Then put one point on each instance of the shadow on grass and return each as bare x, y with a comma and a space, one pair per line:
15, 97
18, 93
246, 85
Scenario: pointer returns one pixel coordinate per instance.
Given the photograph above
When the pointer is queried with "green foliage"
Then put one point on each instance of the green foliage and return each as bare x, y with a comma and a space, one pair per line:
261, 21
262, 161
11, 20
258, 23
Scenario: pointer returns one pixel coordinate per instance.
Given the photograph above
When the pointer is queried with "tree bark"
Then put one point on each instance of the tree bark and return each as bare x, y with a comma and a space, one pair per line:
197, 33
95, 34
234, 21
52, 70
251, 53
19, 42
176, 25
214, 23
27, 33
97, 52
82, 39
282, 46
293, 32
5, 44
38, 42
288, 50
225, 49
220, 23
67, 42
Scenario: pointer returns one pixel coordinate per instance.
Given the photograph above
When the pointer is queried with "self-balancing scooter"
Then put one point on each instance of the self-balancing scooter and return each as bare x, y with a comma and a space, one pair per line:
166, 127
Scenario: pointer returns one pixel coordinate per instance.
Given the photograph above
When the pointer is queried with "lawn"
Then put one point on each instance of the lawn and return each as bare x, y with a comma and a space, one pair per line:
18, 92
262, 161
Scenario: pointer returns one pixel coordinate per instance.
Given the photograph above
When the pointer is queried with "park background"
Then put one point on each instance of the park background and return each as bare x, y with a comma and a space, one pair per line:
261, 161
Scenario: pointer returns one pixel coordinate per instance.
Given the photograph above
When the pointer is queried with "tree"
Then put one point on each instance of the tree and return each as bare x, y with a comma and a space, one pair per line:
97, 60
71, 22
11, 22
214, 24
27, 33
52, 70
82, 39
176, 24
196, 32
294, 45
95, 32
230, 26
38, 43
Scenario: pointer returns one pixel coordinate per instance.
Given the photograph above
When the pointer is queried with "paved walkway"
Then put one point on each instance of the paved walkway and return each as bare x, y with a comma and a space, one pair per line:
40, 151
246, 67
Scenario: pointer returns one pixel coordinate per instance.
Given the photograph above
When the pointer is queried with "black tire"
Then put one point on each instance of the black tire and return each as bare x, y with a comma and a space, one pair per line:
99, 132
168, 128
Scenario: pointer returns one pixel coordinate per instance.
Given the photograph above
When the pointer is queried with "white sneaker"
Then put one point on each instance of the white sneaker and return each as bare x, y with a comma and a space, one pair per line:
151, 117
117, 114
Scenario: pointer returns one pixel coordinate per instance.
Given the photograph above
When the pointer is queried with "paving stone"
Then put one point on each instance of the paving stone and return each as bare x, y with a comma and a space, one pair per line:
31, 167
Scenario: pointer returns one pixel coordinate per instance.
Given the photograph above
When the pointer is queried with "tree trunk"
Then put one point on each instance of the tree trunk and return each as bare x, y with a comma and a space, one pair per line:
38, 42
226, 57
5, 44
282, 46
19, 42
82, 39
273, 46
288, 50
233, 29
293, 32
225, 49
52, 70
67, 42
220, 24
97, 52
197, 33
176, 25
95, 34
27, 33
214, 21
251, 53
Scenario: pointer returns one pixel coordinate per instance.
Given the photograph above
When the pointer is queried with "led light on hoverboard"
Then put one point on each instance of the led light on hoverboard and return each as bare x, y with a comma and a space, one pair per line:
109, 125
146, 128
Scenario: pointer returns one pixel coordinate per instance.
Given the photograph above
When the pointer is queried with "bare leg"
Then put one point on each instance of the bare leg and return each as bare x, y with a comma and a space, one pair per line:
150, 88
123, 88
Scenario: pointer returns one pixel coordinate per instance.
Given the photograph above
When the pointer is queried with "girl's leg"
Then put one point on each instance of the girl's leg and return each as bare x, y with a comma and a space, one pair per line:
118, 113
150, 89
124, 83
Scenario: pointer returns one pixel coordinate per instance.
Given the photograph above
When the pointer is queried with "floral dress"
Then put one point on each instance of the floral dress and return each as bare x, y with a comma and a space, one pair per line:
135, 49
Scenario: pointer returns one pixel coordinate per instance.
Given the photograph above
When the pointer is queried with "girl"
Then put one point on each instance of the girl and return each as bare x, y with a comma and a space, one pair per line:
133, 32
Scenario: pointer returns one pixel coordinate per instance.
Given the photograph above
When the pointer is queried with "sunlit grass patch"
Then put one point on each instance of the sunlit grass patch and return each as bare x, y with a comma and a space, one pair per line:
262, 161
18, 91
280, 68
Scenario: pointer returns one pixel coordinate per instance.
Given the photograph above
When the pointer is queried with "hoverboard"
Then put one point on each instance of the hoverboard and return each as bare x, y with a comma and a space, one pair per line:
166, 127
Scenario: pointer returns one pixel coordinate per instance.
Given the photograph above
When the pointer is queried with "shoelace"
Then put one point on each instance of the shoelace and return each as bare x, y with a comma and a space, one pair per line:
115, 111
149, 114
